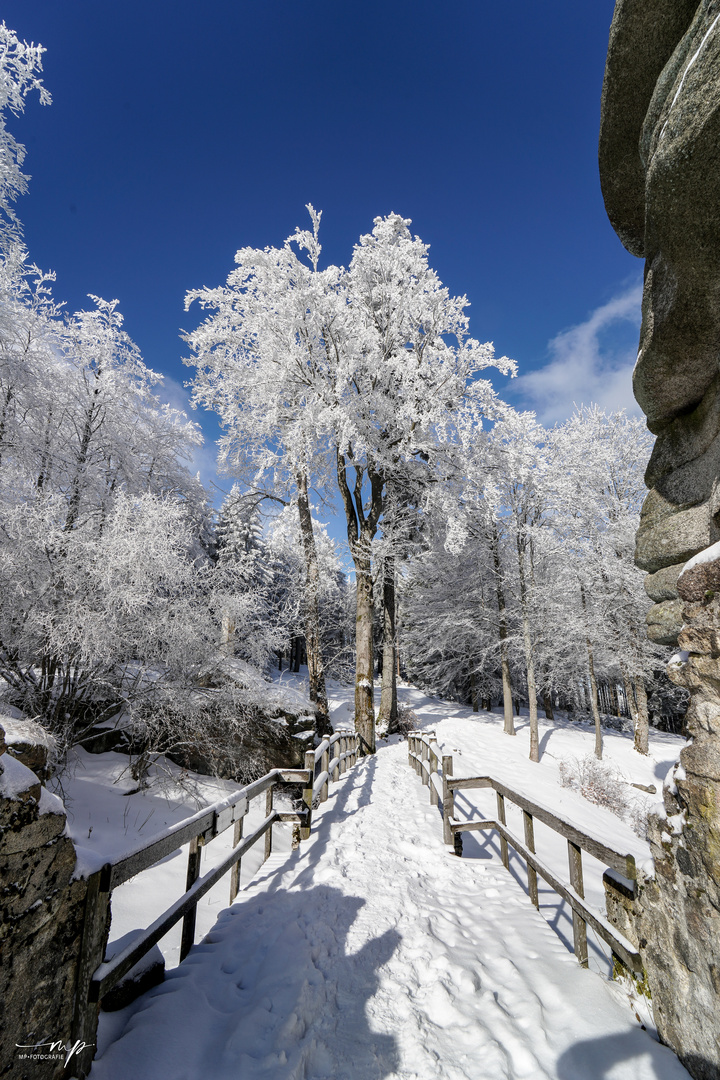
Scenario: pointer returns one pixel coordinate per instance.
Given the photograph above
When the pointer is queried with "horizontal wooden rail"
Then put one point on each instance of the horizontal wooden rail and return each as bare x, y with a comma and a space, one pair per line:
325, 745
424, 757
617, 941
207, 823
320, 783
623, 862
110, 972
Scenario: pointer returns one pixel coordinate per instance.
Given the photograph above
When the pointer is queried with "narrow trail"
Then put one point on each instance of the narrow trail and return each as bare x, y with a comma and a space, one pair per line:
372, 952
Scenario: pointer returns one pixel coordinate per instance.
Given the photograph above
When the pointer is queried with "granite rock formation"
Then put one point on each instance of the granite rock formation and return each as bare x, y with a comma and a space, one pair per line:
659, 168
660, 174
41, 918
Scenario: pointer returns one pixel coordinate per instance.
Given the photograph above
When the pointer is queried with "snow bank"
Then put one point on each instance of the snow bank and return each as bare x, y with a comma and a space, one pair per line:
708, 555
15, 778
19, 730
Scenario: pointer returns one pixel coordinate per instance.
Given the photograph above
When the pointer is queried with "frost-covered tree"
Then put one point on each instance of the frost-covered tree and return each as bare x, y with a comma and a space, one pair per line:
108, 596
261, 358
20, 67
598, 491
518, 502
284, 545
90, 624
450, 618
362, 370
531, 542
406, 364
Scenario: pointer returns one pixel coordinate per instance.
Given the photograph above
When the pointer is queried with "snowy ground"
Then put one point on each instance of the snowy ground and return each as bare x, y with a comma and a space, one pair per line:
372, 952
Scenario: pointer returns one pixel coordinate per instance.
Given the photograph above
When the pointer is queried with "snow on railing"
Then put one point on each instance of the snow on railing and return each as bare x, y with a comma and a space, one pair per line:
346, 749
97, 976
436, 772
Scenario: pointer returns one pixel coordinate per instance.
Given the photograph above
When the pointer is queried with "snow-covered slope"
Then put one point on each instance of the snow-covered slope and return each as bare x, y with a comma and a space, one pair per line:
373, 952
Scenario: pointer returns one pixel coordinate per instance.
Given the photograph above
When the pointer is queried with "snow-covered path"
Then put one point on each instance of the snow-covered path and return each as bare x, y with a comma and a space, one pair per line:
372, 952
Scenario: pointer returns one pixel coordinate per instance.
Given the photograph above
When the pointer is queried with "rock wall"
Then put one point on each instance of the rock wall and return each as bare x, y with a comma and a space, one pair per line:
660, 173
659, 169
40, 926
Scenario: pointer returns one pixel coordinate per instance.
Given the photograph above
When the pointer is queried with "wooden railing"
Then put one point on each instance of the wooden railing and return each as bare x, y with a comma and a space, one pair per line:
306, 788
436, 772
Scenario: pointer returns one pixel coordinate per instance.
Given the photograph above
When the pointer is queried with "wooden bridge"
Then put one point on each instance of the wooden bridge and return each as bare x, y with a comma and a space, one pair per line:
290, 796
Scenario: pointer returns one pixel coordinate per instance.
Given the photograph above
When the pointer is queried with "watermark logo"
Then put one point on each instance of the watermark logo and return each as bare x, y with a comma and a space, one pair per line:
52, 1050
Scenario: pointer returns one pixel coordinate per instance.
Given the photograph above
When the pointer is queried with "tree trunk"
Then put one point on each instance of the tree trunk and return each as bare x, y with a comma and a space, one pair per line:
547, 705
641, 724
473, 692
529, 659
361, 528
594, 700
316, 669
89, 429
227, 635
364, 660
629, 696
593, 684
388, 694
509, 725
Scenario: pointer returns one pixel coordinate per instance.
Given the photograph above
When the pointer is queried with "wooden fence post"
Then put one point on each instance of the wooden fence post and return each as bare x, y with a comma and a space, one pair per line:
530, 844
235, 872
268, 812
338, 753
433, 766
324, 763
503, 842
579, 924
96, 924
307, 795
448, 799
193, 873
424, 754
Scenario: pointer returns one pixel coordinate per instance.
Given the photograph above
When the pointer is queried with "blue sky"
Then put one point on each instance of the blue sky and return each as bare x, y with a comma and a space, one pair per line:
180, 132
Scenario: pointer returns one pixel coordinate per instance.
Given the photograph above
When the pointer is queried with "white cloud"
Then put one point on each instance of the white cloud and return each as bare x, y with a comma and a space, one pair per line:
589, 363
204, 457
175, 394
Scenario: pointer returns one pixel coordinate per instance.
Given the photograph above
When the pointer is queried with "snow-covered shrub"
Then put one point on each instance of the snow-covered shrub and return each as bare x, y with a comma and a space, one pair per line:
220, 732
617, 723
405, 722
596, 781
600, 783
638, 818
